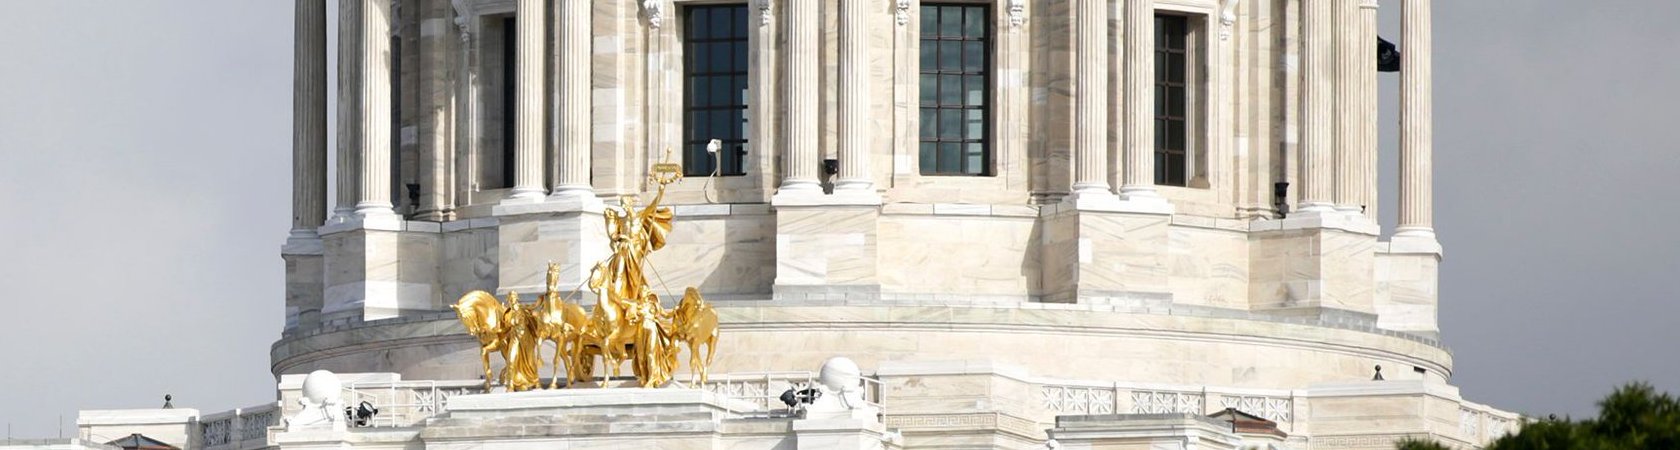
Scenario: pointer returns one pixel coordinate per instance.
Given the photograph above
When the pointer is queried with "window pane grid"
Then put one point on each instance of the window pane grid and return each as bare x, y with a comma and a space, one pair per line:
1172, 129
715, 89
955, 84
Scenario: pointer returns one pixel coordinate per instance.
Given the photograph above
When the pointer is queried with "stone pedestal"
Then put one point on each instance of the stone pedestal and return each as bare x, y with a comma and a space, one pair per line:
583, 418
1408, 290
566, 230
1314, 265
380, 268
304, 269
1144, 431
842, 433
1101, 252
825, 246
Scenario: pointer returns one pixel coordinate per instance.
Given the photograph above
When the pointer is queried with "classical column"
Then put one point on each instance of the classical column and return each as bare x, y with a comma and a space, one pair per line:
1416, 123
1091, 98
854, 98
375, 110
528, 102
1347, 115
804, 31
1138, 176
573, 20
309, 118
433, 113
1365, 154
1317, 146
349, 149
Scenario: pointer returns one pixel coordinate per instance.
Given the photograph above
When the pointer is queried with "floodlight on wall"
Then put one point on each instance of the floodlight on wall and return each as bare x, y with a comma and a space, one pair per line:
1280, 197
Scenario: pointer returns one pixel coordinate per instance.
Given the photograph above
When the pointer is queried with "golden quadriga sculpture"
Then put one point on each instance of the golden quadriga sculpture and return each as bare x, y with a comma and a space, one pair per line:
627, 323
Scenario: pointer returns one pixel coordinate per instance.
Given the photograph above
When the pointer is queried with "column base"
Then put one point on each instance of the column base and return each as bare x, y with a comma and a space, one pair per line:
1314, 209
369, 210
1415, 232
565, 191
342, 214
524, 195
799, 187
1144, 199
854, 185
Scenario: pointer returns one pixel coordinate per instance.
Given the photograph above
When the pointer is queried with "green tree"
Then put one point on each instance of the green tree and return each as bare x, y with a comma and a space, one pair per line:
1634, 417
1419, 444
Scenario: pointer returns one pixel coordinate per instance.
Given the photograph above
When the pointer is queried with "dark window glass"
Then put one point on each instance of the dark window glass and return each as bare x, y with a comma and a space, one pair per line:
955, 81
1172, 33
715, 89
510, 83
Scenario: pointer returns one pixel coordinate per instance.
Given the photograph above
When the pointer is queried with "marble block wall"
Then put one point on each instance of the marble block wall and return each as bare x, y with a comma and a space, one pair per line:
1109, 258
1407, 291
727, 251
303, 290
1308, 268
529, 237
827, 252
957, 256
381, 270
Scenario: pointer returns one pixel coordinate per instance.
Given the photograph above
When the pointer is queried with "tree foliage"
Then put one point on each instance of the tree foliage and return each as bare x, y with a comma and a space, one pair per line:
1634, 417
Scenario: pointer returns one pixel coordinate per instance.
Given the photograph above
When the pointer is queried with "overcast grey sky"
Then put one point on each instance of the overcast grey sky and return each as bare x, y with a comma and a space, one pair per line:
144, 194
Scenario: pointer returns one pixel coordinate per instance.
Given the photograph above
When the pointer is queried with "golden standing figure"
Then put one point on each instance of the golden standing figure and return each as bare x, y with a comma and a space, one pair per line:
627, 323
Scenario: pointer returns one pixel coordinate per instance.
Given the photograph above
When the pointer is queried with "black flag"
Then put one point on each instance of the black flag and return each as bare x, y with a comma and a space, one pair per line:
1388, 58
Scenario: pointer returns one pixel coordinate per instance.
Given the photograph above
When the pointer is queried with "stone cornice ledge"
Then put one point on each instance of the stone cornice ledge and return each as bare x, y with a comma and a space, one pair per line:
842, 198
1345, 222
561, 204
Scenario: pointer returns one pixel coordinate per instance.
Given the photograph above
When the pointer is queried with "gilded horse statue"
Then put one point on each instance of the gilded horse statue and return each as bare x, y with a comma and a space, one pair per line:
627, 324
483, 314
562, 323
697, 325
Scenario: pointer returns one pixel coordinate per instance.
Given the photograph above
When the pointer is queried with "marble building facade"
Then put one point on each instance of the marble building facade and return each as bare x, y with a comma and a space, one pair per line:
1125, 216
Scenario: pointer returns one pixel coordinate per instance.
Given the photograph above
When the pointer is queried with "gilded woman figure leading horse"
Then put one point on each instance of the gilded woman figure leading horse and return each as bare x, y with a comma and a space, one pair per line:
627, 324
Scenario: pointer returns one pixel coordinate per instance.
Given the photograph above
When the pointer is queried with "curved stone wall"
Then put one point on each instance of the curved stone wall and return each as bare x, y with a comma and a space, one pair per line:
1229, 348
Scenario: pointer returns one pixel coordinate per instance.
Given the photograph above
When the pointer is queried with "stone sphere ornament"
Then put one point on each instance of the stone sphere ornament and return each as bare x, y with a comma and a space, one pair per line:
321, 385
840, 374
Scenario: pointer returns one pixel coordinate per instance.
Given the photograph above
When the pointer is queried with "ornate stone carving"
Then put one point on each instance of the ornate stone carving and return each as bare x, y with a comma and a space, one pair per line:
1227, 18
255, 426
1017, 13
764, 13
1468, 421
655, 11
1271, 408
903, 12
216, 432
1077, 400
1148, 402
1496, 427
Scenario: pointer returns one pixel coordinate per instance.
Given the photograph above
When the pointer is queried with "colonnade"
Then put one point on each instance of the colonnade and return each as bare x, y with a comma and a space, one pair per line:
1337, 139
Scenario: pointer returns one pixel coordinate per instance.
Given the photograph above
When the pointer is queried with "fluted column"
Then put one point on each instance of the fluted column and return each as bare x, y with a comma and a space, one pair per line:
573, 20
1416, 124
1091, 98
1347, 115
433, 112
1317, 145
1138, 174
528, 101
349, 150
855, 93
1365, 154
804, 30
375, 113
309, 118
